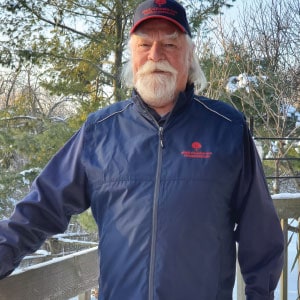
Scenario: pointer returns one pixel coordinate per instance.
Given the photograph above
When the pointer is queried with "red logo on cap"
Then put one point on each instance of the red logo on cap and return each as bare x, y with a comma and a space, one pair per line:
160, 2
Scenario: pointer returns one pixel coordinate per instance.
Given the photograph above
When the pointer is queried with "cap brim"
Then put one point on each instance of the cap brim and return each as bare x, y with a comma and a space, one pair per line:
136, 25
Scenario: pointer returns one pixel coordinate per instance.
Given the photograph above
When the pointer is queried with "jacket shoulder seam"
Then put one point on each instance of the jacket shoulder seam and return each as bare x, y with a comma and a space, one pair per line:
212, 110
96, 118
114, 113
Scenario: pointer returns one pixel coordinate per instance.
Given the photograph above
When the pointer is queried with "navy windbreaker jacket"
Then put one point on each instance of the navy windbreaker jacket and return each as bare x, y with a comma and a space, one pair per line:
170, 201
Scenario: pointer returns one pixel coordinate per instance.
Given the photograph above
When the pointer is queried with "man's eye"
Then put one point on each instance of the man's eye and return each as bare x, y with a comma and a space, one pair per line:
169, 45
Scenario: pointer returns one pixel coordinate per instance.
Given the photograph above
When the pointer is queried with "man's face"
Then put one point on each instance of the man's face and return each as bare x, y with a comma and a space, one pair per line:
161, 61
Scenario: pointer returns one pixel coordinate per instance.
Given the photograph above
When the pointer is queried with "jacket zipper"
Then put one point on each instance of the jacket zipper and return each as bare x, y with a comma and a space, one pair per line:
154, 215
161, 137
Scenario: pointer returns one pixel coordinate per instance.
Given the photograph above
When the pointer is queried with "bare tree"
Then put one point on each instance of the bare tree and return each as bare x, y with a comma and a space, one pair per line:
254, 65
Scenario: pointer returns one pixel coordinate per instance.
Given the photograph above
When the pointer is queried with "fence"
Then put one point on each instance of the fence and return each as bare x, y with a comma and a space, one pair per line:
277, 157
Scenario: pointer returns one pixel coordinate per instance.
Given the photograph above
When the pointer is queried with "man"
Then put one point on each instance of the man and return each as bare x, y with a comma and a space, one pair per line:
173, 180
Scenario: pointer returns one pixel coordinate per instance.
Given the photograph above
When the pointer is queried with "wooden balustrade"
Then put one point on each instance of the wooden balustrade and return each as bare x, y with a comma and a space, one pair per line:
58, 279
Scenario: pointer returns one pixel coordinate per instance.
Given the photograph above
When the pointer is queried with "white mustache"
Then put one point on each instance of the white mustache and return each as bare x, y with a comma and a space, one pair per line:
161, 66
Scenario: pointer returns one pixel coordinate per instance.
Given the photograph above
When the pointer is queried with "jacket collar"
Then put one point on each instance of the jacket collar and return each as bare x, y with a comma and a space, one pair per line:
183, 100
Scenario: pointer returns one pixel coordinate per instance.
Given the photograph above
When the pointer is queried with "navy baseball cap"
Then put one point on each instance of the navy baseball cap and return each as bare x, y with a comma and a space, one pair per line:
169, 10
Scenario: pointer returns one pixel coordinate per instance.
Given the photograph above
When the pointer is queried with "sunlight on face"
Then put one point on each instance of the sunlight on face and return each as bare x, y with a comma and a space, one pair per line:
160, 62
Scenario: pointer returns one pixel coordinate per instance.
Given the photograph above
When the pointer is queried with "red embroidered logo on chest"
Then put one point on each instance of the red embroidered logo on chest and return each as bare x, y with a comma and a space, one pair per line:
196, 153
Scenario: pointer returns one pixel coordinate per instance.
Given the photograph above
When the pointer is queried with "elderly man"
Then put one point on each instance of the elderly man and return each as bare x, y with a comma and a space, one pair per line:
173, 180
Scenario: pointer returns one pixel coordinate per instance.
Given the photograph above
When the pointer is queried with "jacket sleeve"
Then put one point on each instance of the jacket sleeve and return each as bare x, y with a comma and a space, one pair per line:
258, 231
56, 194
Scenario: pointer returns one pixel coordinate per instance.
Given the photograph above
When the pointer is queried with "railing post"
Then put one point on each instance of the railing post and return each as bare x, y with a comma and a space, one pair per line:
85, 296
284, 275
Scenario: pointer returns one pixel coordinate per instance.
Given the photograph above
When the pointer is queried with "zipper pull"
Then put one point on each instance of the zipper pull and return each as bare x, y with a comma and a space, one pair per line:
161, 137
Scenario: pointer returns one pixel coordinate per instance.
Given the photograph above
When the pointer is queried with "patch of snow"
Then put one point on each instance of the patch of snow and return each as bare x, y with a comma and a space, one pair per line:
54, 260
38, 253
291, 112
286, 196
24, 173
243, 81
29, 171
68, 234
66, 240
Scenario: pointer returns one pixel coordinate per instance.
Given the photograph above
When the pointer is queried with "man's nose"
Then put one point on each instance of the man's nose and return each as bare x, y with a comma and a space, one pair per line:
156, 52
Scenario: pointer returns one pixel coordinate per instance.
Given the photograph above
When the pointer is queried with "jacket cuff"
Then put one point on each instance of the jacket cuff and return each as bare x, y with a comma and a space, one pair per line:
255, 296
7, 265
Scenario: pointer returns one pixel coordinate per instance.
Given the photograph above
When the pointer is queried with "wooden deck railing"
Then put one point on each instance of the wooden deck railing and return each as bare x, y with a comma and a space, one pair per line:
59, 279
76, 274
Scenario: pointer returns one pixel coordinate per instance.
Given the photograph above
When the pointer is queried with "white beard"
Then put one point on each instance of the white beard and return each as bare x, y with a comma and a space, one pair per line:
156, 89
